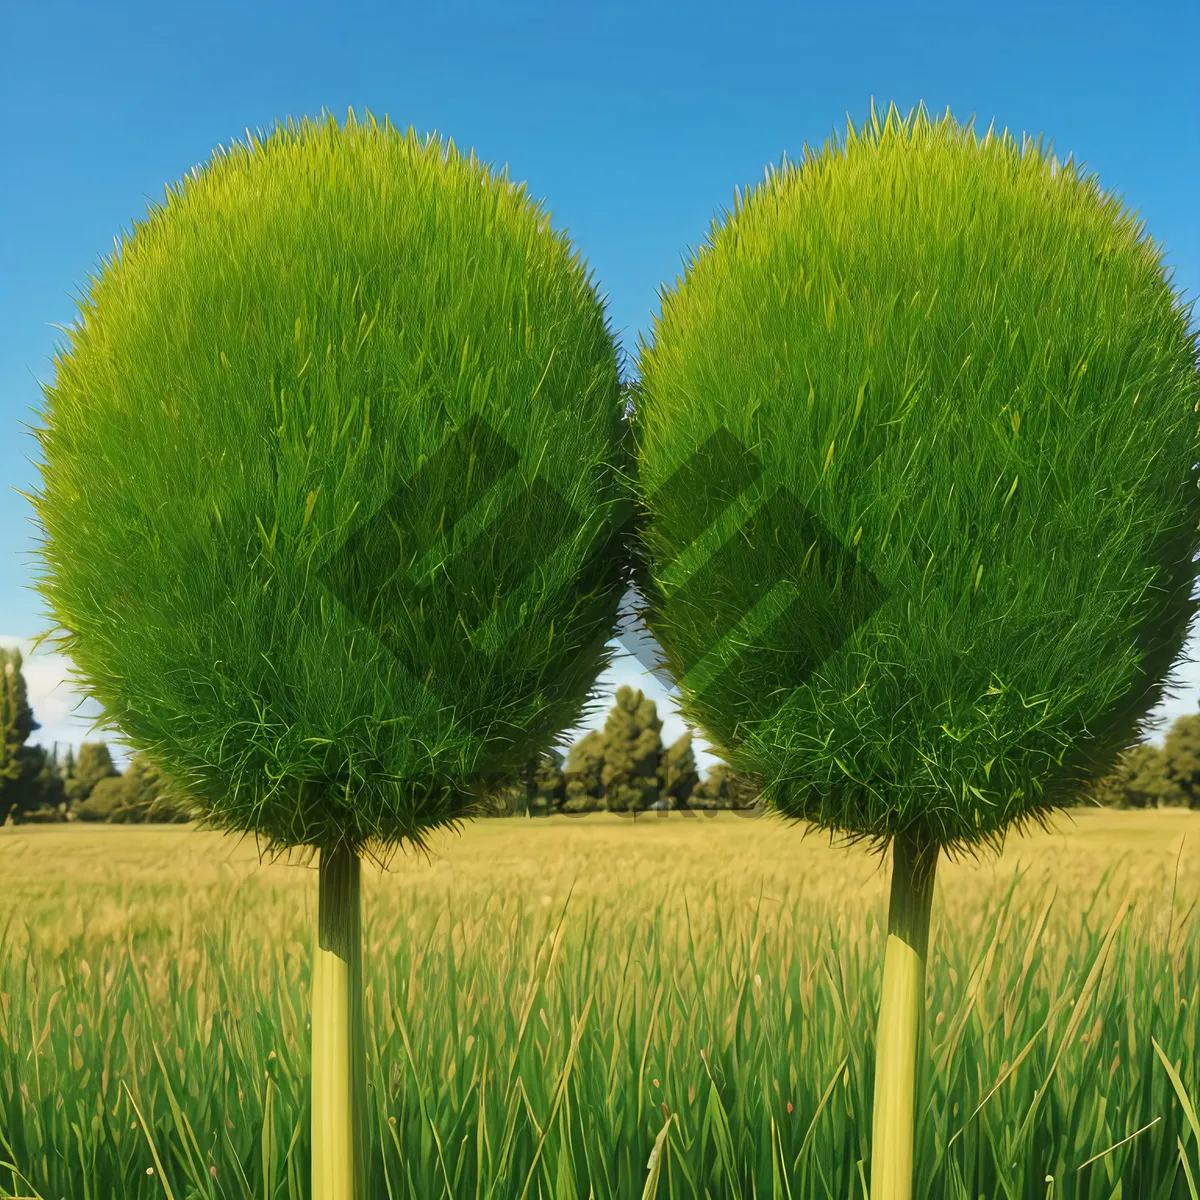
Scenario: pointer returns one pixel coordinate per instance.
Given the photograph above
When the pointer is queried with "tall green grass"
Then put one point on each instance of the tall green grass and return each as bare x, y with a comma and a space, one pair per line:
555, 1010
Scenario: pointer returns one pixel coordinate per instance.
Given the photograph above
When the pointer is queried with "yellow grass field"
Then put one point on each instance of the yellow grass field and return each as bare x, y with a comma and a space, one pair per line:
545, 997
611, 859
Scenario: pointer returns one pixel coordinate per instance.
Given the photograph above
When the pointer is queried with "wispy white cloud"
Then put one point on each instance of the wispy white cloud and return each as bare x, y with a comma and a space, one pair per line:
65, 714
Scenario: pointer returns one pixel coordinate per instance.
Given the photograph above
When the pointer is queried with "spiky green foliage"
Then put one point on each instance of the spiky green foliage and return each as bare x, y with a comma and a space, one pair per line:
969, 366
306, 352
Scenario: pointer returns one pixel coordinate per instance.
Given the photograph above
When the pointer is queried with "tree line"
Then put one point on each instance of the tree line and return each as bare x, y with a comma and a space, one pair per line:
624, 767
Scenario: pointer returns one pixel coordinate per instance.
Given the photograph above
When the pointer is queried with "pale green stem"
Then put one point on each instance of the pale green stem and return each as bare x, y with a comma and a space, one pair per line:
901, 1008
338, 1050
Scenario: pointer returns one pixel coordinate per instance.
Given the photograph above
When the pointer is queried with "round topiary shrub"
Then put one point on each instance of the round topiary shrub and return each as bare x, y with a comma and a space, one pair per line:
917, 440
331, 494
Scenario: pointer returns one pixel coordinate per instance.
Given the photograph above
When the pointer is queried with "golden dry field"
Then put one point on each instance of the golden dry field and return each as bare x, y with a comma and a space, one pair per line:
546, 997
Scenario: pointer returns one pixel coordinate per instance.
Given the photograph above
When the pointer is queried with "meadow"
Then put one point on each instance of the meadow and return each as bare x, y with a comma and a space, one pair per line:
594, 1008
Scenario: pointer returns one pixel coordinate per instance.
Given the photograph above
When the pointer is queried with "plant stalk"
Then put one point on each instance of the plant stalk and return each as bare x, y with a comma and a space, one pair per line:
338, 1046
901, 1009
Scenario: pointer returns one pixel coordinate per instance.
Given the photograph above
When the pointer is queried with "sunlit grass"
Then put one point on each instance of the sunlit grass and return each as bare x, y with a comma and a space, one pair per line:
544, 994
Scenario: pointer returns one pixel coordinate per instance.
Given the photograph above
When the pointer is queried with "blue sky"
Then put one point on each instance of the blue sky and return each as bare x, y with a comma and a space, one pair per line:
632, 122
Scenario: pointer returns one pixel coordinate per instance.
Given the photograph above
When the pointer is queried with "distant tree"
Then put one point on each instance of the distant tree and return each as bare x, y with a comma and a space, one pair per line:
1108, 792
723, 787
48, 781
677, 774
36, 794
539, 789
30, 778
549, 783
528, 787
583, 789
94, 763
1181, 758
139, 794
625, 767
632, 749
704, 794
1144, 776
16, 716
105, 801
16, 724
149, 795
1140, 779
66, 774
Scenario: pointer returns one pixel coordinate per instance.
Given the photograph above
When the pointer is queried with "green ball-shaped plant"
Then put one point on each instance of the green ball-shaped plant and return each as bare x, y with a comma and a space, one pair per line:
333, 500
916, 440
297, 354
